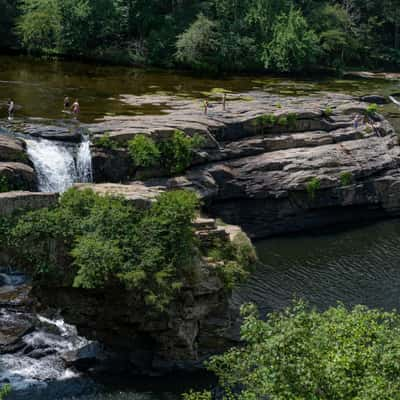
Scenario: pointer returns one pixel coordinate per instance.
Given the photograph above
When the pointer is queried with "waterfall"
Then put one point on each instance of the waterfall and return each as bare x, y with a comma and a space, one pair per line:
59, 165
84, 161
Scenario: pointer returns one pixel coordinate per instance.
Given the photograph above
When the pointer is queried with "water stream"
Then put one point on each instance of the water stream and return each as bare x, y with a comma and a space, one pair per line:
59, 165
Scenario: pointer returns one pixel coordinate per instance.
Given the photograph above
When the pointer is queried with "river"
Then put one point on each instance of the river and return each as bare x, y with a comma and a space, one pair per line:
350, 264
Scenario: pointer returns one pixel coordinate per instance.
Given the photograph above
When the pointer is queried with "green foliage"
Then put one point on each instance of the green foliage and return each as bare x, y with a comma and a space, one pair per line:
294, 46
143, 151
300, 353
174, 154
106, 142
312, 187
270, 120
210, 35
372, 109
266, 120
327, 112
4, 185
346, 178
110, 242
234, 260
177, 152
197, 47
4, 391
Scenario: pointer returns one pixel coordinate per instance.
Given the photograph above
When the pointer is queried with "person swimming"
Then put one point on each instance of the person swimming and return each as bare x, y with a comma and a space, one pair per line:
67, 103
76, 109
11, 108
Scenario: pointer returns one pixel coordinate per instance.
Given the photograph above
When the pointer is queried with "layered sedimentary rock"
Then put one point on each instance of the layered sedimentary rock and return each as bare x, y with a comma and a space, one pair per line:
275, 165
16, 172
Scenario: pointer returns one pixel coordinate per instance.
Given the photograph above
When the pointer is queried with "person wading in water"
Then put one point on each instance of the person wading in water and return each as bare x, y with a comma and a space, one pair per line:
76, 108
67, 103
11, 109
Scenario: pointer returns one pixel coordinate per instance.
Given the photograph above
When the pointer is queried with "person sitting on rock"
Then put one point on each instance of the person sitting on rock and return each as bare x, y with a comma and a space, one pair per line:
11, 108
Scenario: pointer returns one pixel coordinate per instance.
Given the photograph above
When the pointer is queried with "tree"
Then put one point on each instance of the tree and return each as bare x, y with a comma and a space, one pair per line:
301, 353
39, 25
198, 46
294, 46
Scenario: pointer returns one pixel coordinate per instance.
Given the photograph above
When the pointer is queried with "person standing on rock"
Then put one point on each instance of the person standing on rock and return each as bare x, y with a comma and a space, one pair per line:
11, 109
356, 121
224, 102
205, 105
76, 109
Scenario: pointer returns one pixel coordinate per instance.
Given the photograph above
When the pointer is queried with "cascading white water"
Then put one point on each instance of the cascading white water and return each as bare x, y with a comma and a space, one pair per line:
84, 161
58, 165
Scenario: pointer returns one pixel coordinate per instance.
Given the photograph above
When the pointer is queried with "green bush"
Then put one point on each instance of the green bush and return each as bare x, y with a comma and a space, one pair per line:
371, 109
143, 151
300, 353
346, 178
177, 152
234, 260
327, 112
174, 154
312, 187
265, 120
110, 242
105, 142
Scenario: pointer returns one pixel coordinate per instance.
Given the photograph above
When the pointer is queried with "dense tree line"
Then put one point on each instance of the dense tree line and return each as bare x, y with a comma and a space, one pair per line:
210, 35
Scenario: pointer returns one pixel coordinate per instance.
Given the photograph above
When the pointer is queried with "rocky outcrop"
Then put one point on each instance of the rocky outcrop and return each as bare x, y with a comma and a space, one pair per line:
17, 176
15, 201
276, 164
16, 172
198, 323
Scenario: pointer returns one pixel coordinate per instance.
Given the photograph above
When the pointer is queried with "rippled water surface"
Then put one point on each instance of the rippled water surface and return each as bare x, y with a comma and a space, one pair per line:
355, 266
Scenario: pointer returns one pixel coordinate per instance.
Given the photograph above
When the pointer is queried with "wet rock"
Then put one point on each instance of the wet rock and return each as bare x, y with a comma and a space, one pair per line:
84, 358
13, 327
12, 149
67, 133
374, 98
18, 176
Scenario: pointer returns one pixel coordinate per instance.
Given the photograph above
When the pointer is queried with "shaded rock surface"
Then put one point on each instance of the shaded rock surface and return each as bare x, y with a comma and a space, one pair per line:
13, 201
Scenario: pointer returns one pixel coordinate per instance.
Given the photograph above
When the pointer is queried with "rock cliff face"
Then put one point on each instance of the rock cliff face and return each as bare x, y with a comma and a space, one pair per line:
275, 165
16, 172
198, 323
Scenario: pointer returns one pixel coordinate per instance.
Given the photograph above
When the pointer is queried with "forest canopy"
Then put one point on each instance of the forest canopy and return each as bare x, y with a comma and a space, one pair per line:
209, 35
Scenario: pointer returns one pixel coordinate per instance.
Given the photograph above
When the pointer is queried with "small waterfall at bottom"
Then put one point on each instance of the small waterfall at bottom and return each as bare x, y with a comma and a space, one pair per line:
60, 165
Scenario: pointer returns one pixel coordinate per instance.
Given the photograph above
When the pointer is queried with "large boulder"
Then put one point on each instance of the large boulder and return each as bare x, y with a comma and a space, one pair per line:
17, 176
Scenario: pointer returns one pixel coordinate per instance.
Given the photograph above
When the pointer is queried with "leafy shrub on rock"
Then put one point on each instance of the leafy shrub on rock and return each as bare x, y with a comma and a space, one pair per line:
174, 154
301, 353
143, 151
109, 241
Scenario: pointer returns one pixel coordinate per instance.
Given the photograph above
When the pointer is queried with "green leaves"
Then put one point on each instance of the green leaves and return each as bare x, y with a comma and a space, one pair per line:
174, 154
300, 353
109, 242
294, 46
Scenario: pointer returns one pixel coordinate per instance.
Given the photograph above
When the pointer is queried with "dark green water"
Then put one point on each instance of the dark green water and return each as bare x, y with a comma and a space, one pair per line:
38, 87
358, 265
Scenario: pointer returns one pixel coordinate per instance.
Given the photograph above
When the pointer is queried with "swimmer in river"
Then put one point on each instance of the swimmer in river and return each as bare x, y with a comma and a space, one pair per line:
76, 108
67, 103
11, 109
